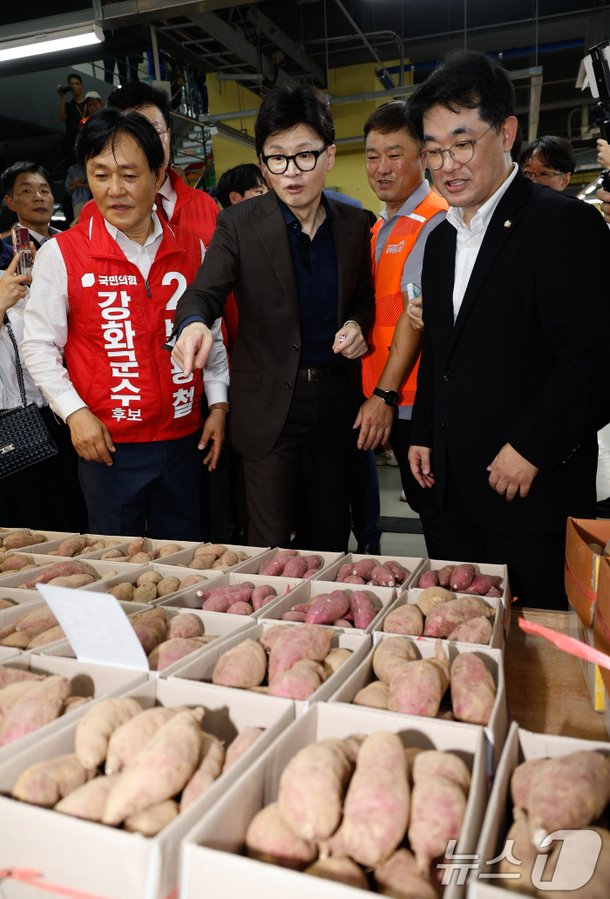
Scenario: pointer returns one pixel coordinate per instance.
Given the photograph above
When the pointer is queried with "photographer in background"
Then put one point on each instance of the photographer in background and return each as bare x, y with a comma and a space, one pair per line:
72, 111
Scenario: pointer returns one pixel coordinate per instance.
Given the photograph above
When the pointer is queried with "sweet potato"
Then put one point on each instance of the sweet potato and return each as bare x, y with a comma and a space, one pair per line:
314, 561
142, 558
11, 693
365, 606
293, 615
169, 549
430, 763
473, 689
405, 619
130, 737
240, 745
212, 759
344, 572
335, 658
240, 608
312, 789
16, 562
428, 579
74, 581
160, 770
146, 593
244, 665
327, 607
443, 619
45, 783
376, 809
400, 572
61, 569
261, 595
303, 641
185, 625
202, 562
475, 630
462, 576
72, 546
431, 597
33, 623
168, 585
174, 649
50, 636
298, 682
94, 729
418, 687
524, 853
272, 634
295, 567
220, 602
190, 580
13, 675
140, 544
482, 583
399, 877
270, 839
363, 568
522, 779
17, 640
382, 576
152, 820
37, 707
437, 811
444, 575
374, 695
340, 869
272, 568
390, 656
19, 539
89, 800
122, 592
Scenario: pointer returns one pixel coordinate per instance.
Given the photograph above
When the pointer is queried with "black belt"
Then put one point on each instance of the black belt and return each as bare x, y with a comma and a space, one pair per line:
323, 373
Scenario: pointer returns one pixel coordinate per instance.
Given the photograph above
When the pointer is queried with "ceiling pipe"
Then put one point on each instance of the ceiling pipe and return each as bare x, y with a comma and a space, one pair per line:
360, 33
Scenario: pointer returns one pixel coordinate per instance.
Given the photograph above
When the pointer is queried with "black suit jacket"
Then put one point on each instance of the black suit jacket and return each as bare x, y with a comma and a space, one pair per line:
250, 254
527, 361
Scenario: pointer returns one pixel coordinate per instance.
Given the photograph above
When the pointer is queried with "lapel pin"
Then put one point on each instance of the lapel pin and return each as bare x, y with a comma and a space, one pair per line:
507, 223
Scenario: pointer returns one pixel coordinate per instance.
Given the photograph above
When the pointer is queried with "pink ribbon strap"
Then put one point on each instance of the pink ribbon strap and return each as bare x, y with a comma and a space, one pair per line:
566, 643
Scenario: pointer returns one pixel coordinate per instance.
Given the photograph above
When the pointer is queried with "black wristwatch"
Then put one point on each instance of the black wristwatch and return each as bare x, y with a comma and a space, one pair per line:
390, 397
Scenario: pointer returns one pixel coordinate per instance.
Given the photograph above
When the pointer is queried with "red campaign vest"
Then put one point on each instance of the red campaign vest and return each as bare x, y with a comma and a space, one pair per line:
117, 325
387, 276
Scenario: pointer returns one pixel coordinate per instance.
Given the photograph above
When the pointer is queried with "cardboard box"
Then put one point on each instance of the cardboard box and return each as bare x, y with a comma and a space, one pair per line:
45, 549
601, 619
386, 596
411, 563
495, 730
18, 596
202, 667
252, 565
183, 558
521, 745
7, 653
50, 535
582, 564
591, 673
212, 851
80, 857
296, 587
410, 596
96, 681
110, 573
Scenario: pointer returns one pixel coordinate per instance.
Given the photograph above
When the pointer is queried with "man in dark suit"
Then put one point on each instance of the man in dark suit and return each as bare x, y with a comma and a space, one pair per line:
299, 266
27, 192
516, 348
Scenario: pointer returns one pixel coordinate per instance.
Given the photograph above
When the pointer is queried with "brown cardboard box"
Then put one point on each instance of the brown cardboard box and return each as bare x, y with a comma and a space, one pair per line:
601, 620
582, 564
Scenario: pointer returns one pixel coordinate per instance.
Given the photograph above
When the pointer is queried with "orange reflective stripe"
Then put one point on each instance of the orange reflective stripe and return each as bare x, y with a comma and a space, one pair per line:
387, 274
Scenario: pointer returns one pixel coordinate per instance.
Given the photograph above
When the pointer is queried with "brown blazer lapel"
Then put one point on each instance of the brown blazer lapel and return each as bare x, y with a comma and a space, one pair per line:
344, 236
273, 236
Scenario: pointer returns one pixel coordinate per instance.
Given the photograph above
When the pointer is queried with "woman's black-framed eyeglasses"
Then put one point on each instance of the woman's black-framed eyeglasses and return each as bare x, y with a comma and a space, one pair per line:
305, 161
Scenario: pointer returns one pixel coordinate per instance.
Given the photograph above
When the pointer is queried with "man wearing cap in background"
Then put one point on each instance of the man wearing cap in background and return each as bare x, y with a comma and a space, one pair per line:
93, 103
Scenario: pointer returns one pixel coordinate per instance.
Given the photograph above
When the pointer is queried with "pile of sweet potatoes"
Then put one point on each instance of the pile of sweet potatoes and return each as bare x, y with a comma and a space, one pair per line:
373, 572
288, 660
216, 557
151, 585
366, 812
341, 608
20, 539
462, 578
567, 793
237, 599
13, 562
408, 683
81, 545
167, 638
29, 701
66, 574
439, 613
291, 563
132, 767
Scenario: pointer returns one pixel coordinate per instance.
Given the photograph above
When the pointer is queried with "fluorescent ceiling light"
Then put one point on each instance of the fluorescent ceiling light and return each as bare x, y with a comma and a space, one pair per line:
51, 42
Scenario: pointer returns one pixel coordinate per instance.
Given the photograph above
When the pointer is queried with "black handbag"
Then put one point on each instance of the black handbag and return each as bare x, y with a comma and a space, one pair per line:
24, 438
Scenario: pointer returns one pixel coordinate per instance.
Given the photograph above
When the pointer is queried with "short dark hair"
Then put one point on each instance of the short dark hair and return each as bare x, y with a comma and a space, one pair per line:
74, 75
556, 152
9, 176
240, 178
287, 106
136, 94
467, 80
107, 124
391, 116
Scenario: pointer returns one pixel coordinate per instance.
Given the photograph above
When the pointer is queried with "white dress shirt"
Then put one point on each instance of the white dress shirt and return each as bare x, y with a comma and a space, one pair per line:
169, 196
9, 385
469, 239
46, 324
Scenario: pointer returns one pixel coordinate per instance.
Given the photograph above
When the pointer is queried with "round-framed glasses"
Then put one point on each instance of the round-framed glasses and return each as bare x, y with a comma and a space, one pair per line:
305, 161
461, 152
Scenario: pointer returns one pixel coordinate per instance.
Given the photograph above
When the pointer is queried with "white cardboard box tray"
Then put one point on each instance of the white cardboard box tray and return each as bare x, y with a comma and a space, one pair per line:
18, 596
188, 598
106, 862
483, 568
87, 679
110, 572
50, 535
252, 565
386, 595
8, 654
411, 595
495, 730
521, 745
212, 851
202, 667
411, 563
51, 546
183, 558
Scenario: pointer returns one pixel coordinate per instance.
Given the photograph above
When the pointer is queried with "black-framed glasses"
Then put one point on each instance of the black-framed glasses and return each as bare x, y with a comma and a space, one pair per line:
461, 152
305, 161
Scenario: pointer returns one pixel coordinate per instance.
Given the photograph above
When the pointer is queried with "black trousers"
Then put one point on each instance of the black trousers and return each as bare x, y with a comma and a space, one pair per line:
535, 561
314, 449
423, 501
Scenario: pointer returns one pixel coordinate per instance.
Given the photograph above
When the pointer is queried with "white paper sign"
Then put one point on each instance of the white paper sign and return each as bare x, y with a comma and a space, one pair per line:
96, 626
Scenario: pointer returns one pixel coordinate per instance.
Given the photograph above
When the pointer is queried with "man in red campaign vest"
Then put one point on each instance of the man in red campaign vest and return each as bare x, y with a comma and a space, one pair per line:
103, 296
389, 370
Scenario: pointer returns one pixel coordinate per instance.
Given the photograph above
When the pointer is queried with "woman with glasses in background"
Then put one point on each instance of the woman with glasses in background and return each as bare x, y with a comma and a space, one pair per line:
549, 160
